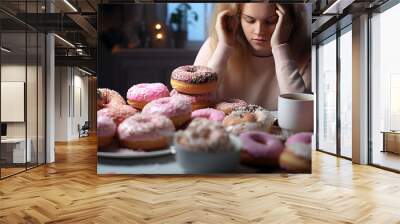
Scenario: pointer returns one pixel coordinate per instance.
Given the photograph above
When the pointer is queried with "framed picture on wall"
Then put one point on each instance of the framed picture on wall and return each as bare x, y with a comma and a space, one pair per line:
166, 106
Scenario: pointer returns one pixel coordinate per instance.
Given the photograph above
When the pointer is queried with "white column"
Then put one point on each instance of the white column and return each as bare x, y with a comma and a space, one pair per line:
50, 93
360, 90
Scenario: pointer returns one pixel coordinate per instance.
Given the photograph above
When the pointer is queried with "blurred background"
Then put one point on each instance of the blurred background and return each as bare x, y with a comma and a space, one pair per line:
145, 42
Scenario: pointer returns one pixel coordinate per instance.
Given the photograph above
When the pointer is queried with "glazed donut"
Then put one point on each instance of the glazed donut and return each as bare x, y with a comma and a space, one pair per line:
209, 114
141, 94
204, 135
177, 109
260, 149
238, 122
106, 129
145, 132
296, 156
191, 79
118, 113
228, 106
107, 97
199, 101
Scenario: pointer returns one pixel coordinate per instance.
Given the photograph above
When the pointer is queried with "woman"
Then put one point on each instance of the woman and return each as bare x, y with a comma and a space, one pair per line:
259, 51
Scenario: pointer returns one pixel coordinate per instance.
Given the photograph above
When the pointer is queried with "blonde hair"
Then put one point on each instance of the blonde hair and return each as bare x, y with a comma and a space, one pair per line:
300, 43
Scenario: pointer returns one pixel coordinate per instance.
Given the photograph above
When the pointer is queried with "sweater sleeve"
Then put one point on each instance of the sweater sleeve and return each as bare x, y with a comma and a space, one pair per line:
290, 78
215, 59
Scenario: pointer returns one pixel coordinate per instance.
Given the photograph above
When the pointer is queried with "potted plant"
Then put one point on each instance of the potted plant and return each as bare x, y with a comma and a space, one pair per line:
179, 21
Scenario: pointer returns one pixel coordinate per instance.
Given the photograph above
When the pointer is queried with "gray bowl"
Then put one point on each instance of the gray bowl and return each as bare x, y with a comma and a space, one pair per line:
209, 162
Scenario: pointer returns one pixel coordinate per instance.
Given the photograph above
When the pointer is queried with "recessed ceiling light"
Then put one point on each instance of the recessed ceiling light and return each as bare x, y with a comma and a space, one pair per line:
5, 50
338, 6
84, 71
65, 41
70, 5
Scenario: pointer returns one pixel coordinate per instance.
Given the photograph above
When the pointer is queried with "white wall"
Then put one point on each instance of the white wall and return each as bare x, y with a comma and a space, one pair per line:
70, 83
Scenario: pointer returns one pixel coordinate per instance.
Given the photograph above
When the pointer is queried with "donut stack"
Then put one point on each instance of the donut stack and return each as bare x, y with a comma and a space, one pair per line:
195, 83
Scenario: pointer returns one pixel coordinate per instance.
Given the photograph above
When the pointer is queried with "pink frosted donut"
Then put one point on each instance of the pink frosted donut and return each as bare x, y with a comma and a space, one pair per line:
107, 98
118, 113
141, 94
178, 109
106, 129
210, 114
297, 154
145, 132
199, 101
260, 148
228, 106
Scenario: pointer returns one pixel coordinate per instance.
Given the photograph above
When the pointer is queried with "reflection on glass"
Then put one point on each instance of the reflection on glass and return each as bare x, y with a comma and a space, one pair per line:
346, 94
327, 96
385, 84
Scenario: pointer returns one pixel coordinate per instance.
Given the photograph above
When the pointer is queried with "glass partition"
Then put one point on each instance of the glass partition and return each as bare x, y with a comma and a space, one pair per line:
23, 90
14, 68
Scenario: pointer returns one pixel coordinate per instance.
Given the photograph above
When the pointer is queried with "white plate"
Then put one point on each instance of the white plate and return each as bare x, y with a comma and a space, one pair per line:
132, 154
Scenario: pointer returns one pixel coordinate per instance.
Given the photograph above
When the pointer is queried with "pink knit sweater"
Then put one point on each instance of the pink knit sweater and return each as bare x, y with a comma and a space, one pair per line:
262, 80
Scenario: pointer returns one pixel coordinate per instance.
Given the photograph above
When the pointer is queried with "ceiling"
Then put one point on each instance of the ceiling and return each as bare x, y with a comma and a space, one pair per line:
76, 22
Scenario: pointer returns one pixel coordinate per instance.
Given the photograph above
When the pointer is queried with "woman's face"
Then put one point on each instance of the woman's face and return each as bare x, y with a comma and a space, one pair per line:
258, 21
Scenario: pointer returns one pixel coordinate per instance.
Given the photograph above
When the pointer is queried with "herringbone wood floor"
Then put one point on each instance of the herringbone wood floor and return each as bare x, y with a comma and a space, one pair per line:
70, 191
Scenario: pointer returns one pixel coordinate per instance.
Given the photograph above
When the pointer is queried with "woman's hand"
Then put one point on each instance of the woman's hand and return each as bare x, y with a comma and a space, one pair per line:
226, 26
283, 27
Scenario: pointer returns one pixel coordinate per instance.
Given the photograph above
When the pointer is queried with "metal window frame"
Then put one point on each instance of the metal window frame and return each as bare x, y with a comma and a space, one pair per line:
381, 9
339, 32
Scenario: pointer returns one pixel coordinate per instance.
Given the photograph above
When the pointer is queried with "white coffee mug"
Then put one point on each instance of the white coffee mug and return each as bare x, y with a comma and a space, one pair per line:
296, 112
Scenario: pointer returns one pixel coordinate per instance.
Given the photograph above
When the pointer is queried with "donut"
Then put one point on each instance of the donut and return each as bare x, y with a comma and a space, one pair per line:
296, 157
191, 79
238, 122
199, 101
118, 113
205, 136
228, 106
141, 94
106, 129
175, 108
209, 113
260, 149
145, 132
248, 108
107, 98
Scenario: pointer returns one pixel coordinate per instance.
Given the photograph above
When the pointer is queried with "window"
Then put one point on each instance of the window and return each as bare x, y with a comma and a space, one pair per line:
197, 30
385, 88
345, 42
327, 95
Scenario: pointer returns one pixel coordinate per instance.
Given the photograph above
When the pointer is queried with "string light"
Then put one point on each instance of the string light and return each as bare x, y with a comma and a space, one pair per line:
159, 36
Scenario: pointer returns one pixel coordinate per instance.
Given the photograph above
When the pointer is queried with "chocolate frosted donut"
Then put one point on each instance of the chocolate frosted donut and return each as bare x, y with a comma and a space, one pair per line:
191, 79
194, 74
